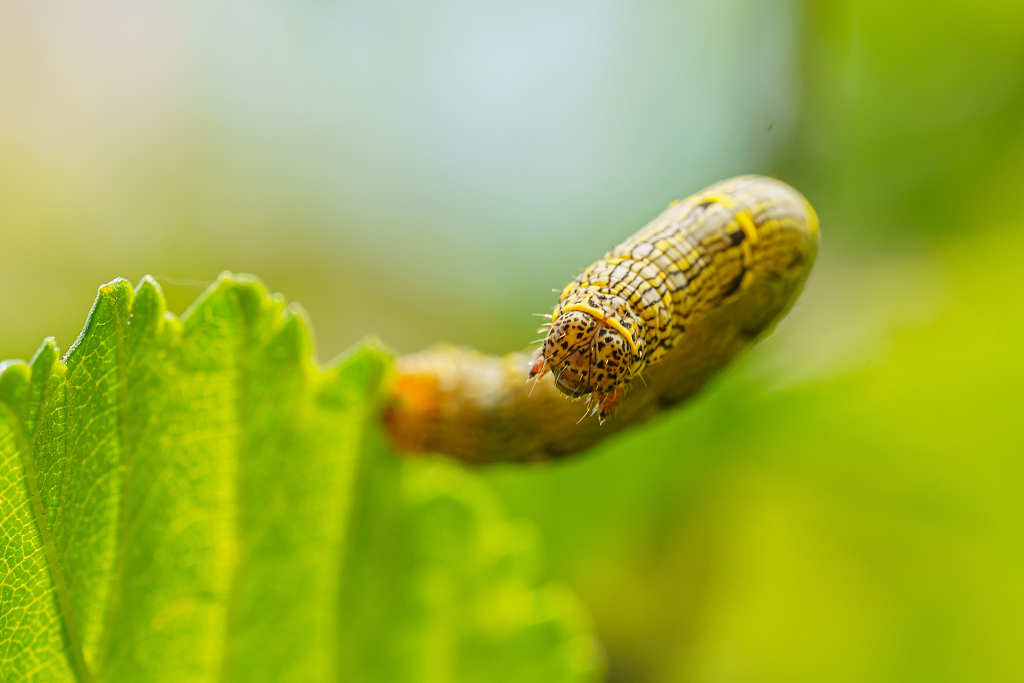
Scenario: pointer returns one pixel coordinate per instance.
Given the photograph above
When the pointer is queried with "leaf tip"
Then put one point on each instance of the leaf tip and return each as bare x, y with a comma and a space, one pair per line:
148, 282
362, 368
149, 303
294, 339
250, 293
148, 313
45, 356
236, 279
14, 381
116, 287
113, 299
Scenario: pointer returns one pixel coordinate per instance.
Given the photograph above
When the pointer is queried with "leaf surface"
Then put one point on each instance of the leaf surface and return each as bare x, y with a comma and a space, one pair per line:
175, 501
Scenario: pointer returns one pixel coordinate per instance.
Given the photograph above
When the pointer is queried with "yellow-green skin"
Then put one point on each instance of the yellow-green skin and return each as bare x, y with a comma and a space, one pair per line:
679, 301
626, 311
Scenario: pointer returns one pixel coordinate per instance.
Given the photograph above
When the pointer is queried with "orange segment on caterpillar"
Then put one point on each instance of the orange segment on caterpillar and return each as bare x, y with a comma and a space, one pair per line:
673, 305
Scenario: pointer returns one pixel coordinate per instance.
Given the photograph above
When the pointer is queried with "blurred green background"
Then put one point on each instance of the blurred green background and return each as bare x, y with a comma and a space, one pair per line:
845, 504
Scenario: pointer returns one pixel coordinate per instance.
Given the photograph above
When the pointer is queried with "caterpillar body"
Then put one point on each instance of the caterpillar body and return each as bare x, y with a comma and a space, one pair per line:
682, 297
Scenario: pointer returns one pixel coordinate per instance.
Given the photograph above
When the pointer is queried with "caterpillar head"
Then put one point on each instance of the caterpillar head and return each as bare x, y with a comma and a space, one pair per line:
588, 351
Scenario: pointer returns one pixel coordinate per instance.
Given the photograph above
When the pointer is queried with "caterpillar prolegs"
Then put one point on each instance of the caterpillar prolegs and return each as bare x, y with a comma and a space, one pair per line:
659, 315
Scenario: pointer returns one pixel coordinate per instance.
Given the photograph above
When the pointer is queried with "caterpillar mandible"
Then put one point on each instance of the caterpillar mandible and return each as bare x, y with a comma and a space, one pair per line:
682, 297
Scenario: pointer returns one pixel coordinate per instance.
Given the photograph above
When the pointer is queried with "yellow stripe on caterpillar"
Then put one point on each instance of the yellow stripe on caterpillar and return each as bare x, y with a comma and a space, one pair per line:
601, 317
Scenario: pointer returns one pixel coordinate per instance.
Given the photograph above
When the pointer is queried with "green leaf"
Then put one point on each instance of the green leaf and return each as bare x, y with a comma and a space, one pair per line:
441, 586
175, 503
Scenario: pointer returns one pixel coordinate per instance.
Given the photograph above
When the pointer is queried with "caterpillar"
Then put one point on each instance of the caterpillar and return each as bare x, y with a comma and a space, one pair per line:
681, 298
